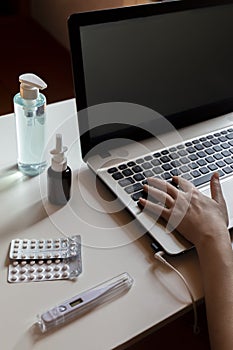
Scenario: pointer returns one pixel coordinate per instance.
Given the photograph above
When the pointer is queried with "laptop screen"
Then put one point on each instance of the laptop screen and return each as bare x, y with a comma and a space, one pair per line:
175, 58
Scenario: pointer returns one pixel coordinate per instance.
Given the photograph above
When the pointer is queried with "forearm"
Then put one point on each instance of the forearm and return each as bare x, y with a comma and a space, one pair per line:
216, 262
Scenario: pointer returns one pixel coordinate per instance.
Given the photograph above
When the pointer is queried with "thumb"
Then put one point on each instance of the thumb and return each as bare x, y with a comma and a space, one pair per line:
217, 195
216, 190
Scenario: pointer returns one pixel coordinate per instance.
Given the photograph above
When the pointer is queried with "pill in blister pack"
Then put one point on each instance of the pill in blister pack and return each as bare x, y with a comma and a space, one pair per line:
40, 267
42, 270
43, 248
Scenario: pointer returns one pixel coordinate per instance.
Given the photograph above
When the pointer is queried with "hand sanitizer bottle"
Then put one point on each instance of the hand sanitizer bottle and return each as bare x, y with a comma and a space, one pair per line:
59, 175
29, 106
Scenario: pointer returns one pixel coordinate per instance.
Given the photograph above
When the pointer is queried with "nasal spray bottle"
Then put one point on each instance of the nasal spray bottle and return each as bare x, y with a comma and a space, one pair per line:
59, 175
29, 106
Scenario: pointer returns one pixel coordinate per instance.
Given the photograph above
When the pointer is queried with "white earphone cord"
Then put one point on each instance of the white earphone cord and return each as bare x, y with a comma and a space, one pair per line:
158, 256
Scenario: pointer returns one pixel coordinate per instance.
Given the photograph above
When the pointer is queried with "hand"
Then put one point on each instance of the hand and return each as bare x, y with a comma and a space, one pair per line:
186, 209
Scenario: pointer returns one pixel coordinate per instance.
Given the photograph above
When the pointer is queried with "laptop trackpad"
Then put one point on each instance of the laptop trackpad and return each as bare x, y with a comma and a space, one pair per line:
227, 188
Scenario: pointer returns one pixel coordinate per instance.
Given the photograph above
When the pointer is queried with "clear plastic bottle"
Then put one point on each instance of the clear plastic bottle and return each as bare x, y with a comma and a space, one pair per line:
30, 114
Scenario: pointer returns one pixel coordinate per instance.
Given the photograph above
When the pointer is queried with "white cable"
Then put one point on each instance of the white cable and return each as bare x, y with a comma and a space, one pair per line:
159, 256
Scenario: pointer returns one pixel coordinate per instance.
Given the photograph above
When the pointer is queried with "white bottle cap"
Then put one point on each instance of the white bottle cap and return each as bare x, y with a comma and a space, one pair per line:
30, 85
59, 161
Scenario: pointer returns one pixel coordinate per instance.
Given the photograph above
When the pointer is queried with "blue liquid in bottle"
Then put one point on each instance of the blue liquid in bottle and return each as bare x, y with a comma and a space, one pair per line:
30, 128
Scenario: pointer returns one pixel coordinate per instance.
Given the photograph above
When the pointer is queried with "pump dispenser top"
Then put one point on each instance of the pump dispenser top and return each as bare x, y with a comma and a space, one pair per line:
30, 85
59, 161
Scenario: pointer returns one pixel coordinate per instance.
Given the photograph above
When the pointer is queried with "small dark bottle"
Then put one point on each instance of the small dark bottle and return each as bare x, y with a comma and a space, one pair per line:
59, 175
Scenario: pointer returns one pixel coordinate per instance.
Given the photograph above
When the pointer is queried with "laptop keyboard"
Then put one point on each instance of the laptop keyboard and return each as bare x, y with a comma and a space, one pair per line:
194, 160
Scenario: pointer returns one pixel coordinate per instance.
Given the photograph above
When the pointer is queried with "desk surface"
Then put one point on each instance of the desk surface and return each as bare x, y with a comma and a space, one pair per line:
112, 243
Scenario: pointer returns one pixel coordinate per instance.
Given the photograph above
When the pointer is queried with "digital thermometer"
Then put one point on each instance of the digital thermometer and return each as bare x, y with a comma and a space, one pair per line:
84, 301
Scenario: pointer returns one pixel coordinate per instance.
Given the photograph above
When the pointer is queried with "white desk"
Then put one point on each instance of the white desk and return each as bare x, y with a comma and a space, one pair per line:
111, 244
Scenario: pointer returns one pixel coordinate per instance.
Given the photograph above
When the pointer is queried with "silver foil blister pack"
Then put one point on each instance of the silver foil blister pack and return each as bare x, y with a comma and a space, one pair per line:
33, 260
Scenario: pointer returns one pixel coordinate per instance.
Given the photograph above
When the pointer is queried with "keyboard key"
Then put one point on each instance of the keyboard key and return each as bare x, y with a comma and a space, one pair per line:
148, 158
180, 146
226, 153
166, 167
195, 173
217, 148
230, 136
148, 173
146, 165
227, 170
117, 176
133, 188
126, 182
204, 179
158, 170
220, 163
131, 164
175, 172
209, 151
193, 165
212, 167
218, 156
193, 157
204, 170
184, 160
182, 153
201, 154
187, 176
140, 161
112, 170
164, 152
138, 195
138, 177
174, 156
175, 163
209, 159
165, 159
127, 172
122, 166
199, 147
155, 162
191, 150
136, 169
228, 160
207, 144
215, 141
222, 139
201, 162
166, 176
225, 145
184, 169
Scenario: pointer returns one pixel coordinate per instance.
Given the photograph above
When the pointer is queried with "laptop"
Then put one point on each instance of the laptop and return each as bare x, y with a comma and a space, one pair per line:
154, 95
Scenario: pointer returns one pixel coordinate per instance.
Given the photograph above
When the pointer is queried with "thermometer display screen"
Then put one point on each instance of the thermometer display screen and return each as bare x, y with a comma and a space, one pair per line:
76, 302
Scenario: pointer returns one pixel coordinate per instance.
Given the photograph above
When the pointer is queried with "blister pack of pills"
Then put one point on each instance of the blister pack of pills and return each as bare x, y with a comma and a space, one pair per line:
44, 259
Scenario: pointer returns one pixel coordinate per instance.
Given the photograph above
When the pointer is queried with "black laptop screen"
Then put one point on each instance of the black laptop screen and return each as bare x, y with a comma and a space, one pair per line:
177, 61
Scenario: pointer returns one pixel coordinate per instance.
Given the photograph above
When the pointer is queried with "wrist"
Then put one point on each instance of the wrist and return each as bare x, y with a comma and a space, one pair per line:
214, 241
